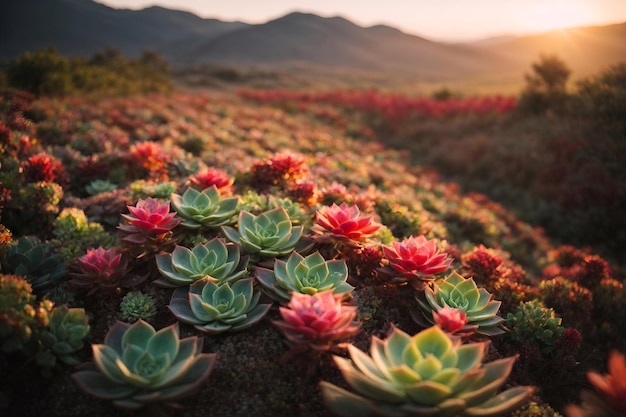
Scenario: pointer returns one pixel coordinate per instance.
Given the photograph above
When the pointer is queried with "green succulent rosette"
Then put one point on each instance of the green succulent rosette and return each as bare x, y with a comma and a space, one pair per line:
308, 275
64, 336
204, 208
428, 374
219, 261
270, 234
213, 308
461, 293
138, 365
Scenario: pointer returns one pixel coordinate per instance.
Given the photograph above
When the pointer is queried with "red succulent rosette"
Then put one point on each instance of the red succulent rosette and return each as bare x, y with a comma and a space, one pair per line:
415, 259
319, 321
344, 223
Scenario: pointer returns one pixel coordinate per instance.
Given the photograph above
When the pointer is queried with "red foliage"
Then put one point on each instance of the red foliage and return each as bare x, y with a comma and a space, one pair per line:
393, 107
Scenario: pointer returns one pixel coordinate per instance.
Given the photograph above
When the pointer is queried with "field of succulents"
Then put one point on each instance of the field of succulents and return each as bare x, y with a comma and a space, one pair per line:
201, 254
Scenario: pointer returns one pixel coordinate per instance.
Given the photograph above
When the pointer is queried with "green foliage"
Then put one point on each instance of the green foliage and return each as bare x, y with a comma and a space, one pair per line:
143, 189
404, 222
42, 72
138, 365
136, 305
603, 98
100, 186
35, 261
534, 324
45, 72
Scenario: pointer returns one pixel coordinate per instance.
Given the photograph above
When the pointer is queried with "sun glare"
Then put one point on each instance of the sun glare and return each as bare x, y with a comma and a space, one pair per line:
559, 15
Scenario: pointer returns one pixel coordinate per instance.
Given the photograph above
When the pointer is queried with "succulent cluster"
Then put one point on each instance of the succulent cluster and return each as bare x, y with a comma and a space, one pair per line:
63, 337
20, 314
475, 305
30, 258
136, 305
428, 374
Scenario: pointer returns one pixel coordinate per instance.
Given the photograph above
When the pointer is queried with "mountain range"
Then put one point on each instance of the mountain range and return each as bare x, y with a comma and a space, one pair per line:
83, 27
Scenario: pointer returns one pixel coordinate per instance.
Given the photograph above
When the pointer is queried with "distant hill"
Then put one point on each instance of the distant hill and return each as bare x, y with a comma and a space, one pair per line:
336, 42
82, 27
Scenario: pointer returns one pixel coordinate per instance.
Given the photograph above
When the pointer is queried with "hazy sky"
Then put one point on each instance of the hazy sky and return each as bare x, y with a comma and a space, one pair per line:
434, 19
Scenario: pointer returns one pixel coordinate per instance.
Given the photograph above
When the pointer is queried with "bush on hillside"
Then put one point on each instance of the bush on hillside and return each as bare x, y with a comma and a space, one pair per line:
603, 97
46, 73
545, 86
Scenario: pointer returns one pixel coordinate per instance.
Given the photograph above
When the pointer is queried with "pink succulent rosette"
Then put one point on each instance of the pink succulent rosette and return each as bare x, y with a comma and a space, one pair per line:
319, 321
344, 223
151, 217
415, 259
99, 268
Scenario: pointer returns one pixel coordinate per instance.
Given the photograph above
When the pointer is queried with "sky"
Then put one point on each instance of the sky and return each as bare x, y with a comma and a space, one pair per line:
441, 20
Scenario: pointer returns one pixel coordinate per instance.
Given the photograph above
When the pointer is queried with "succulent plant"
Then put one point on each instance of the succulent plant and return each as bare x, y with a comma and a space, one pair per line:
215, 308
212, 177
220, 262
609, 396
343, 224
137, 365
295, 211
100, 186
415, 260
428, 374
204, 208
136, 305
270, 234
64, 336
319, 321
74, 234
308, 275
151, 189
148, 227
534, 324
147, 217
20, 314
463, 294
99, 268
35, 261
